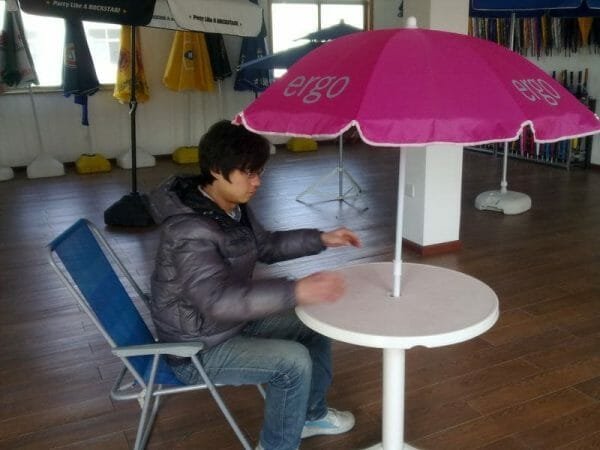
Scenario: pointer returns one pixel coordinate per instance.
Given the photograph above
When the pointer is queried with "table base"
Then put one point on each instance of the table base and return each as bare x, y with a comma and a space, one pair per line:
380, 447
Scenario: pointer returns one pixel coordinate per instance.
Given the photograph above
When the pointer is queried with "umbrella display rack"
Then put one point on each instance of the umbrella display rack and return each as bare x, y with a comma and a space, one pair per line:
540, 36
565, 154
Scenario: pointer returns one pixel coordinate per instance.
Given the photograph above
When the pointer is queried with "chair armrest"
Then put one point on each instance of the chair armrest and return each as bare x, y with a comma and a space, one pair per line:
182, 349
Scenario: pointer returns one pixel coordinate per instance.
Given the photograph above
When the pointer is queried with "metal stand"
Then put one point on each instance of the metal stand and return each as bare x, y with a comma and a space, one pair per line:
352, 192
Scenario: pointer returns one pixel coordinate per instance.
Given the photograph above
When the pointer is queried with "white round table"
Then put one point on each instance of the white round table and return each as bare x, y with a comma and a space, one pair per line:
436, 307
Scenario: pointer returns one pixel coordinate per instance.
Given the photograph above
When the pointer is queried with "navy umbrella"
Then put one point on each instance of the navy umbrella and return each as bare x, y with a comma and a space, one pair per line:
254, 79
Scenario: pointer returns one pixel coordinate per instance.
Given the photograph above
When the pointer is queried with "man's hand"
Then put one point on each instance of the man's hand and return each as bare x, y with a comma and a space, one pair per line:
319, 287
340, 237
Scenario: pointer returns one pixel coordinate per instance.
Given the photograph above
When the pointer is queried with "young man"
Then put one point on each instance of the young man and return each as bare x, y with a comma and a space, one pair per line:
202, 289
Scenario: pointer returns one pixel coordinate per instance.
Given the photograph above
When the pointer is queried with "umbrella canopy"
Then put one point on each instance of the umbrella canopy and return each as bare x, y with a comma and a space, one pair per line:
237, 17
280, 60
16, 64
122, 91
446, 88
416, 87
217, 52
79, 75
333, 32
253, 78
188, 66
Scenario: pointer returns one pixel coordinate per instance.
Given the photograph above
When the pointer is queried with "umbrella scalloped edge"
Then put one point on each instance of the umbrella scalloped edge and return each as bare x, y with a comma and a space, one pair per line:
240, 119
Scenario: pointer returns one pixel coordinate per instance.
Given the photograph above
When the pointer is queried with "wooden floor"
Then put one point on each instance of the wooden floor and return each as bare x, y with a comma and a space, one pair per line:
532, 382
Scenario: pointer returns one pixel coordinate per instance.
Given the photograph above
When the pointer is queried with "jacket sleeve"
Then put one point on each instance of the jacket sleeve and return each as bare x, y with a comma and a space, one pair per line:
214, 289
275, 246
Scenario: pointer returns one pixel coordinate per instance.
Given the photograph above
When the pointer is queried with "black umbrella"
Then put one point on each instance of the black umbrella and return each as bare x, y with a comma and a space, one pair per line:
79, 75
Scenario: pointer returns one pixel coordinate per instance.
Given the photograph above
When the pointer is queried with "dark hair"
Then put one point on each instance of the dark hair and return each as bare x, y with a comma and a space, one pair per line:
226, 147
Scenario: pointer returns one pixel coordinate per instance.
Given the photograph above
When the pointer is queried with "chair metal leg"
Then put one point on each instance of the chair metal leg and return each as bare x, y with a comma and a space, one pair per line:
262, 391
147, 416
213, 391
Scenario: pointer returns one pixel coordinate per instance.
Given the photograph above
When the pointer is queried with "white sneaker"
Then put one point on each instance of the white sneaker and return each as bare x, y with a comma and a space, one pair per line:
334, 422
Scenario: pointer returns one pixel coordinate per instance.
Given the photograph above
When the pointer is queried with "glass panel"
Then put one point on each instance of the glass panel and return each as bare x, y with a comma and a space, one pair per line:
290, 22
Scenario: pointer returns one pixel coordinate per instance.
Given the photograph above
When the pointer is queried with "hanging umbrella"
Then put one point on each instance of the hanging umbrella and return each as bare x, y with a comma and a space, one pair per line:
446, 88
253, 79
219, 61
188, 68
79, 75
125, 73
217, 52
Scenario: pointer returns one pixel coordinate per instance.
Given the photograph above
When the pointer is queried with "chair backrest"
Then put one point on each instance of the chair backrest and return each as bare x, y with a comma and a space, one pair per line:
87, 266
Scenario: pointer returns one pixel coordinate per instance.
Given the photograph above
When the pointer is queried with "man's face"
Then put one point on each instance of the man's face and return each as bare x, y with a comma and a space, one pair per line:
240, 188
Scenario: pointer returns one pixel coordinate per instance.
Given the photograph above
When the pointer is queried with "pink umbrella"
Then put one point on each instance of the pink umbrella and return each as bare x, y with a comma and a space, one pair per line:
414, 87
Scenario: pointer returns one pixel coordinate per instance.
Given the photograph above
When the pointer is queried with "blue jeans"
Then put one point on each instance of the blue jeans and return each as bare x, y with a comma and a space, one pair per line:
292, 360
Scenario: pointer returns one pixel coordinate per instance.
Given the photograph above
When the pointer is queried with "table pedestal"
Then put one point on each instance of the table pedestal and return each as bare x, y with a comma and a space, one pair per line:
392, 428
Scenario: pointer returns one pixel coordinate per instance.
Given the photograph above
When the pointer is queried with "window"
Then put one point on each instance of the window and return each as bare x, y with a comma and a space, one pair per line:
292, 19
44, 33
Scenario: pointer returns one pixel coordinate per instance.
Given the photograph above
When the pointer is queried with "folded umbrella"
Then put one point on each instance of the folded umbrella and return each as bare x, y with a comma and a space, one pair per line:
16, 64
188, 66
217, 52
122, 91
79, 75
253, 79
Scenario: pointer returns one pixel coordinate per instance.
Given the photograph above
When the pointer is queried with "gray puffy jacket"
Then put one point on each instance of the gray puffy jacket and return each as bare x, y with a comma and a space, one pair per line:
202, 285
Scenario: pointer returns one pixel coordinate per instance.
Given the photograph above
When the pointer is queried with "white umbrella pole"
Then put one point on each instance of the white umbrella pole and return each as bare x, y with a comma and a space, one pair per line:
399, 221
504, 182
36, 120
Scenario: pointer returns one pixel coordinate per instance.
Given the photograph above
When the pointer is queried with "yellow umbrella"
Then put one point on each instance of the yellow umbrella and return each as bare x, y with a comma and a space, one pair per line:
122, 90
585, 26
188, 67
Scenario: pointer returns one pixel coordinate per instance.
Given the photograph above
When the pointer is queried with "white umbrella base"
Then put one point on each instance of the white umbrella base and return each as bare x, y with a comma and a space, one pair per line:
6, 173
508, 202
143, 159
45, 166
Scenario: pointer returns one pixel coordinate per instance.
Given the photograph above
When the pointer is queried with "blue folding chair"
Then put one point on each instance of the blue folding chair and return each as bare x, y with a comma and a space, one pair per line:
90, 269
